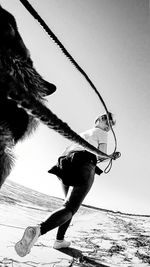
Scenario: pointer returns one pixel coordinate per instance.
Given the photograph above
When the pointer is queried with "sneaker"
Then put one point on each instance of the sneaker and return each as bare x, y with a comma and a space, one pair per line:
28, 240
58, 244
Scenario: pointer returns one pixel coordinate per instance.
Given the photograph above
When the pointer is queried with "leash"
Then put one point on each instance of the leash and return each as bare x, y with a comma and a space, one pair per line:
34, 13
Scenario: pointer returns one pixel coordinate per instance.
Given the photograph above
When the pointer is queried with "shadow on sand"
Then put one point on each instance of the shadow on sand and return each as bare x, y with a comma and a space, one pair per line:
77, 255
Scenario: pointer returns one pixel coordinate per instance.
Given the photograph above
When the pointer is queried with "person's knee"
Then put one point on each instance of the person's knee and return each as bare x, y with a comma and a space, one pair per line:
70, 208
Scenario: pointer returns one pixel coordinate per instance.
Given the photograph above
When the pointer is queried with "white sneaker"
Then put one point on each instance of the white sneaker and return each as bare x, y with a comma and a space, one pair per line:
58, 244
28, 240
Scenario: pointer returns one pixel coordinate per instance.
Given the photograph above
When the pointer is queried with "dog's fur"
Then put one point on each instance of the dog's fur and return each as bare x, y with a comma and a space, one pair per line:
16, 67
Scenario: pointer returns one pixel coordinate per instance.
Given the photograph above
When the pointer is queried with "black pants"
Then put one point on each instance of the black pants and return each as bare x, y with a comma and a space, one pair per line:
74, 197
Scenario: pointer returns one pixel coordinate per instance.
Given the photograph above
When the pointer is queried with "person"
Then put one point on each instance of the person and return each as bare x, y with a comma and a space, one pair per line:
76, 169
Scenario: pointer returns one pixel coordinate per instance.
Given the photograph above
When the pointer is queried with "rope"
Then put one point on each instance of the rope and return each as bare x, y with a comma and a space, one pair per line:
34, 13
35, 108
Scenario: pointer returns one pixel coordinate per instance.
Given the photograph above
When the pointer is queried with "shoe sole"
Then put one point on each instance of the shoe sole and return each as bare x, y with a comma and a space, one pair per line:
59, 247
24, 246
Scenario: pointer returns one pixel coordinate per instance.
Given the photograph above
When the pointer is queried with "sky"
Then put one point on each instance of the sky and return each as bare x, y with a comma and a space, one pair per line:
110, 40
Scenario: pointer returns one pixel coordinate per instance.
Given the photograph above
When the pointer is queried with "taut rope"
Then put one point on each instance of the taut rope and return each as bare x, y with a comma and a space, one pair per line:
34, 13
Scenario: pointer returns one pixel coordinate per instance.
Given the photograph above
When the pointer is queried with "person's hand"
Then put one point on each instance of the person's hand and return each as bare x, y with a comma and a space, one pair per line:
116, 155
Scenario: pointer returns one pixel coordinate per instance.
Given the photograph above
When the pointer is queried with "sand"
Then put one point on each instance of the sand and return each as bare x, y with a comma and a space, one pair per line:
98, 237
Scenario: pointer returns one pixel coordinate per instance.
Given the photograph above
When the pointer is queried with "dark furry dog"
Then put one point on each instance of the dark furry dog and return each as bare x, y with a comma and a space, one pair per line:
16, 67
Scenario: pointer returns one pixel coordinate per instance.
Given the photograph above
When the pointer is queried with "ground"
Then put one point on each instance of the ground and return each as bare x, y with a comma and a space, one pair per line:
98, 237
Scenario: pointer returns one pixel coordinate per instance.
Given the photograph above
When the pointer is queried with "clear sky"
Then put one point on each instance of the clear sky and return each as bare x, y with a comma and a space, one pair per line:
110, 39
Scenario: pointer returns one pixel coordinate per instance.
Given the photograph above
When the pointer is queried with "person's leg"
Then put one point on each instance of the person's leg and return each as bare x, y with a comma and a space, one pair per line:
77, 194
60, 242
62, 229
32, 233
73, 201
57, 218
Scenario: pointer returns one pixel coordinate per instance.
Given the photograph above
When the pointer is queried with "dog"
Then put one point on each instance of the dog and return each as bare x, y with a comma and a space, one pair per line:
18, 72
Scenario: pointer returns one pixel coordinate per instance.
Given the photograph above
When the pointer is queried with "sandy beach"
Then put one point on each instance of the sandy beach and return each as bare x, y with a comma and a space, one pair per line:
98, 237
